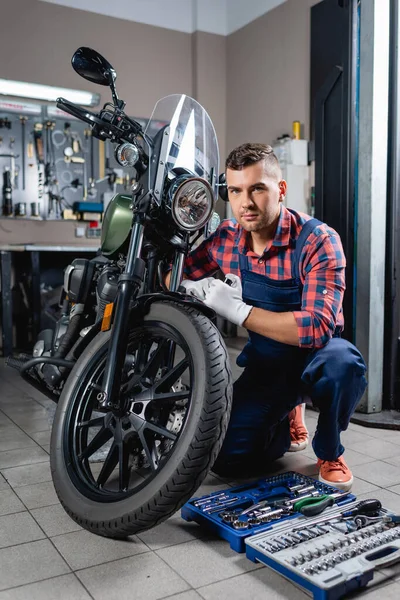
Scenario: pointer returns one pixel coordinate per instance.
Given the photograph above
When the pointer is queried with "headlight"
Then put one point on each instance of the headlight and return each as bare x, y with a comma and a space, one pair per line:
192, 204
127, 155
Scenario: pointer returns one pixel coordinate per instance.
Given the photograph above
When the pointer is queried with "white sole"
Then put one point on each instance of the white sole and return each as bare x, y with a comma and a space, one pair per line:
298, 446
343, 486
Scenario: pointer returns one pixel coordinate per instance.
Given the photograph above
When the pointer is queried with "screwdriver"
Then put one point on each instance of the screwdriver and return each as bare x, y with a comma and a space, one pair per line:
310, 507
365, 507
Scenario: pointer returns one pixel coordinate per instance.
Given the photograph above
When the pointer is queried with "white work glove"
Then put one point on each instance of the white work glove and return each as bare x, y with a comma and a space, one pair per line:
227, 300
198, 289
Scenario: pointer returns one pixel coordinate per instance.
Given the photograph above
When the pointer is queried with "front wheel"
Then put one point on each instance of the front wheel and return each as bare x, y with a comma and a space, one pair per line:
119, 473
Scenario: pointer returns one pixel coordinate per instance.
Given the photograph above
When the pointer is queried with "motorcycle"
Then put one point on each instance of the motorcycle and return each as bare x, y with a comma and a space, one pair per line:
140, 373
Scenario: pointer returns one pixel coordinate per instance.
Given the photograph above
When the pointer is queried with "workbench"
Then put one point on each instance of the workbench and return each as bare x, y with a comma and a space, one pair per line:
35, 250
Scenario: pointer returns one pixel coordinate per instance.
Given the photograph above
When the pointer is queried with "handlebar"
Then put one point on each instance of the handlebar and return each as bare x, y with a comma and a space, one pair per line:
107, 125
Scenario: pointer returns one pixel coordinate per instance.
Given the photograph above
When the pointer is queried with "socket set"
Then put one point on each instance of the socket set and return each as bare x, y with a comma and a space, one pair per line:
237, 513
334, 555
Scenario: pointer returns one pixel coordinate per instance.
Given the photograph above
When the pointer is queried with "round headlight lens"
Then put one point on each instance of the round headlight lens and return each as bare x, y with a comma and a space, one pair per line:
127, 154
192, 204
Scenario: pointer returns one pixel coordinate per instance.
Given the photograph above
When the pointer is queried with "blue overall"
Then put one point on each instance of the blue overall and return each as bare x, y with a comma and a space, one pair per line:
277, 376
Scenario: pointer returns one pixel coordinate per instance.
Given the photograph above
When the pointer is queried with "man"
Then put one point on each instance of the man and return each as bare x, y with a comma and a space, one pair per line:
286, 276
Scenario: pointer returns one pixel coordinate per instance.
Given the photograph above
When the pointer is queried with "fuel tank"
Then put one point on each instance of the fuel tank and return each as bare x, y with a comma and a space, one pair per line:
117, 225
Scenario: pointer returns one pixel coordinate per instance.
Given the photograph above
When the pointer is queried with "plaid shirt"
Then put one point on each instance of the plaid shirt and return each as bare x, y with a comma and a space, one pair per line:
322, 269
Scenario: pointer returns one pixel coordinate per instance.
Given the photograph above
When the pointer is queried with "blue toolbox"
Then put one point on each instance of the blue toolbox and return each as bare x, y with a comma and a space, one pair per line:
333, 555
321, 539
246, 510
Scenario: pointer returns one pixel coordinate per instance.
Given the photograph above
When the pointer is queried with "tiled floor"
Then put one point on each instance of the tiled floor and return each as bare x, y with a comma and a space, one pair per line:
44, 555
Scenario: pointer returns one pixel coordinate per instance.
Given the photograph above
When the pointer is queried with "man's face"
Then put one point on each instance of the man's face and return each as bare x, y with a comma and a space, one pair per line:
254, 196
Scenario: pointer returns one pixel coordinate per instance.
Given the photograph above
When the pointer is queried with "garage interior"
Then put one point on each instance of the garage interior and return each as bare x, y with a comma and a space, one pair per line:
319, 81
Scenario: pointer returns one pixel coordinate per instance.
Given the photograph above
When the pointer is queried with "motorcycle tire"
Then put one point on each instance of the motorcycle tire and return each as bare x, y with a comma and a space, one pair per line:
193, 453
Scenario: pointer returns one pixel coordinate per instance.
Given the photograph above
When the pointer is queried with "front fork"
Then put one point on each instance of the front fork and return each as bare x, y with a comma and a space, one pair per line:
128, 287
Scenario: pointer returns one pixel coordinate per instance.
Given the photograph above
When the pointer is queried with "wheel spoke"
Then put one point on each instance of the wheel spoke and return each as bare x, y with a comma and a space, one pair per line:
109, 465
92, 423
124, 470
146, 448
166, 382
150, 370
171, 396
96, 443
160, 430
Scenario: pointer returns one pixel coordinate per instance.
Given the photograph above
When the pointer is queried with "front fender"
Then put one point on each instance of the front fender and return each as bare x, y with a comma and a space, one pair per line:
144, 302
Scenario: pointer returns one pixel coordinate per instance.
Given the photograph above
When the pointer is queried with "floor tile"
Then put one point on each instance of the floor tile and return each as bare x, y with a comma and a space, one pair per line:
30, 425
379, 473
189, 595
82, 549
395, 489
54, 520
296, 461
10, 503
22, 456
42, 437
13, 440
31, 562
388, 590
38, 495
355, 458
27, 410
259, 585
377, 449
68, 588
350, 438
201, 564
362, 487
393, 437
3, 483
379, 432
389, 499
393, 460
18, 529
173, 531
209, 485
28, 474
143, 576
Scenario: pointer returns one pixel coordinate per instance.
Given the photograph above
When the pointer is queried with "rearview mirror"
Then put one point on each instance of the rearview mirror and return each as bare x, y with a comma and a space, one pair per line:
90, 65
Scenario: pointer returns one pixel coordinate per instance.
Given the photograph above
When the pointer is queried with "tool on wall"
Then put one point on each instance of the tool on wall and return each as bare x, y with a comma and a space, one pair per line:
92, 180
38, 141
5, 123
23, 121
7, 194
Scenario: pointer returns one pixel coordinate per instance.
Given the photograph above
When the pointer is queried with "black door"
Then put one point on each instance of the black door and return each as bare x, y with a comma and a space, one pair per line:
391, 366
334, 36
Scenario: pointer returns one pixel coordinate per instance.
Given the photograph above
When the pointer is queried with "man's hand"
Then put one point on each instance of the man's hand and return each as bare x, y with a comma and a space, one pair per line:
227, 300
198, 289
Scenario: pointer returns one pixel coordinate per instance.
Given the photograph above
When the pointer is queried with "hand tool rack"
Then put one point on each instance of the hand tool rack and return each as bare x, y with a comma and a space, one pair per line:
330, 563
209, 510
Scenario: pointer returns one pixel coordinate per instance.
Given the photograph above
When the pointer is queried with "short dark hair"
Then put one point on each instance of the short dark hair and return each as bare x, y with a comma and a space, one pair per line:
249, 154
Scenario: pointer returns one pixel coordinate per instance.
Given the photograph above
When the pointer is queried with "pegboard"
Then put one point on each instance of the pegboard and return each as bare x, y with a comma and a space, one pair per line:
67, 177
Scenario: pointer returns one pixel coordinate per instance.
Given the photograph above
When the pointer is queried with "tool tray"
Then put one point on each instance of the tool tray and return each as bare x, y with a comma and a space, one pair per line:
331, 564
272, 488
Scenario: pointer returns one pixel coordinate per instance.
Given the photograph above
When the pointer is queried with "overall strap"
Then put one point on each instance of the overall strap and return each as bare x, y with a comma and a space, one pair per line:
307, 228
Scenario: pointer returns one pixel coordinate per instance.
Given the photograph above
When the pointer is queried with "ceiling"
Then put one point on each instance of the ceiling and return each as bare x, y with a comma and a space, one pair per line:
222, 17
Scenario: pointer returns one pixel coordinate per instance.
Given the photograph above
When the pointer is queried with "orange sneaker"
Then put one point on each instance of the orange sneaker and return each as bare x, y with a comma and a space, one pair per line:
336, 473
298, 430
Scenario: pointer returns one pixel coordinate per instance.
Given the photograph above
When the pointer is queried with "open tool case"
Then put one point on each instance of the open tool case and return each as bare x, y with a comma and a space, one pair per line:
328, 555
284, 487
335, 559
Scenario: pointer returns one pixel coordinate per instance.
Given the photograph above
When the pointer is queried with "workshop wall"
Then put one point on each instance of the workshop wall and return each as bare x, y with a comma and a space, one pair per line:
37, 40
268, 75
